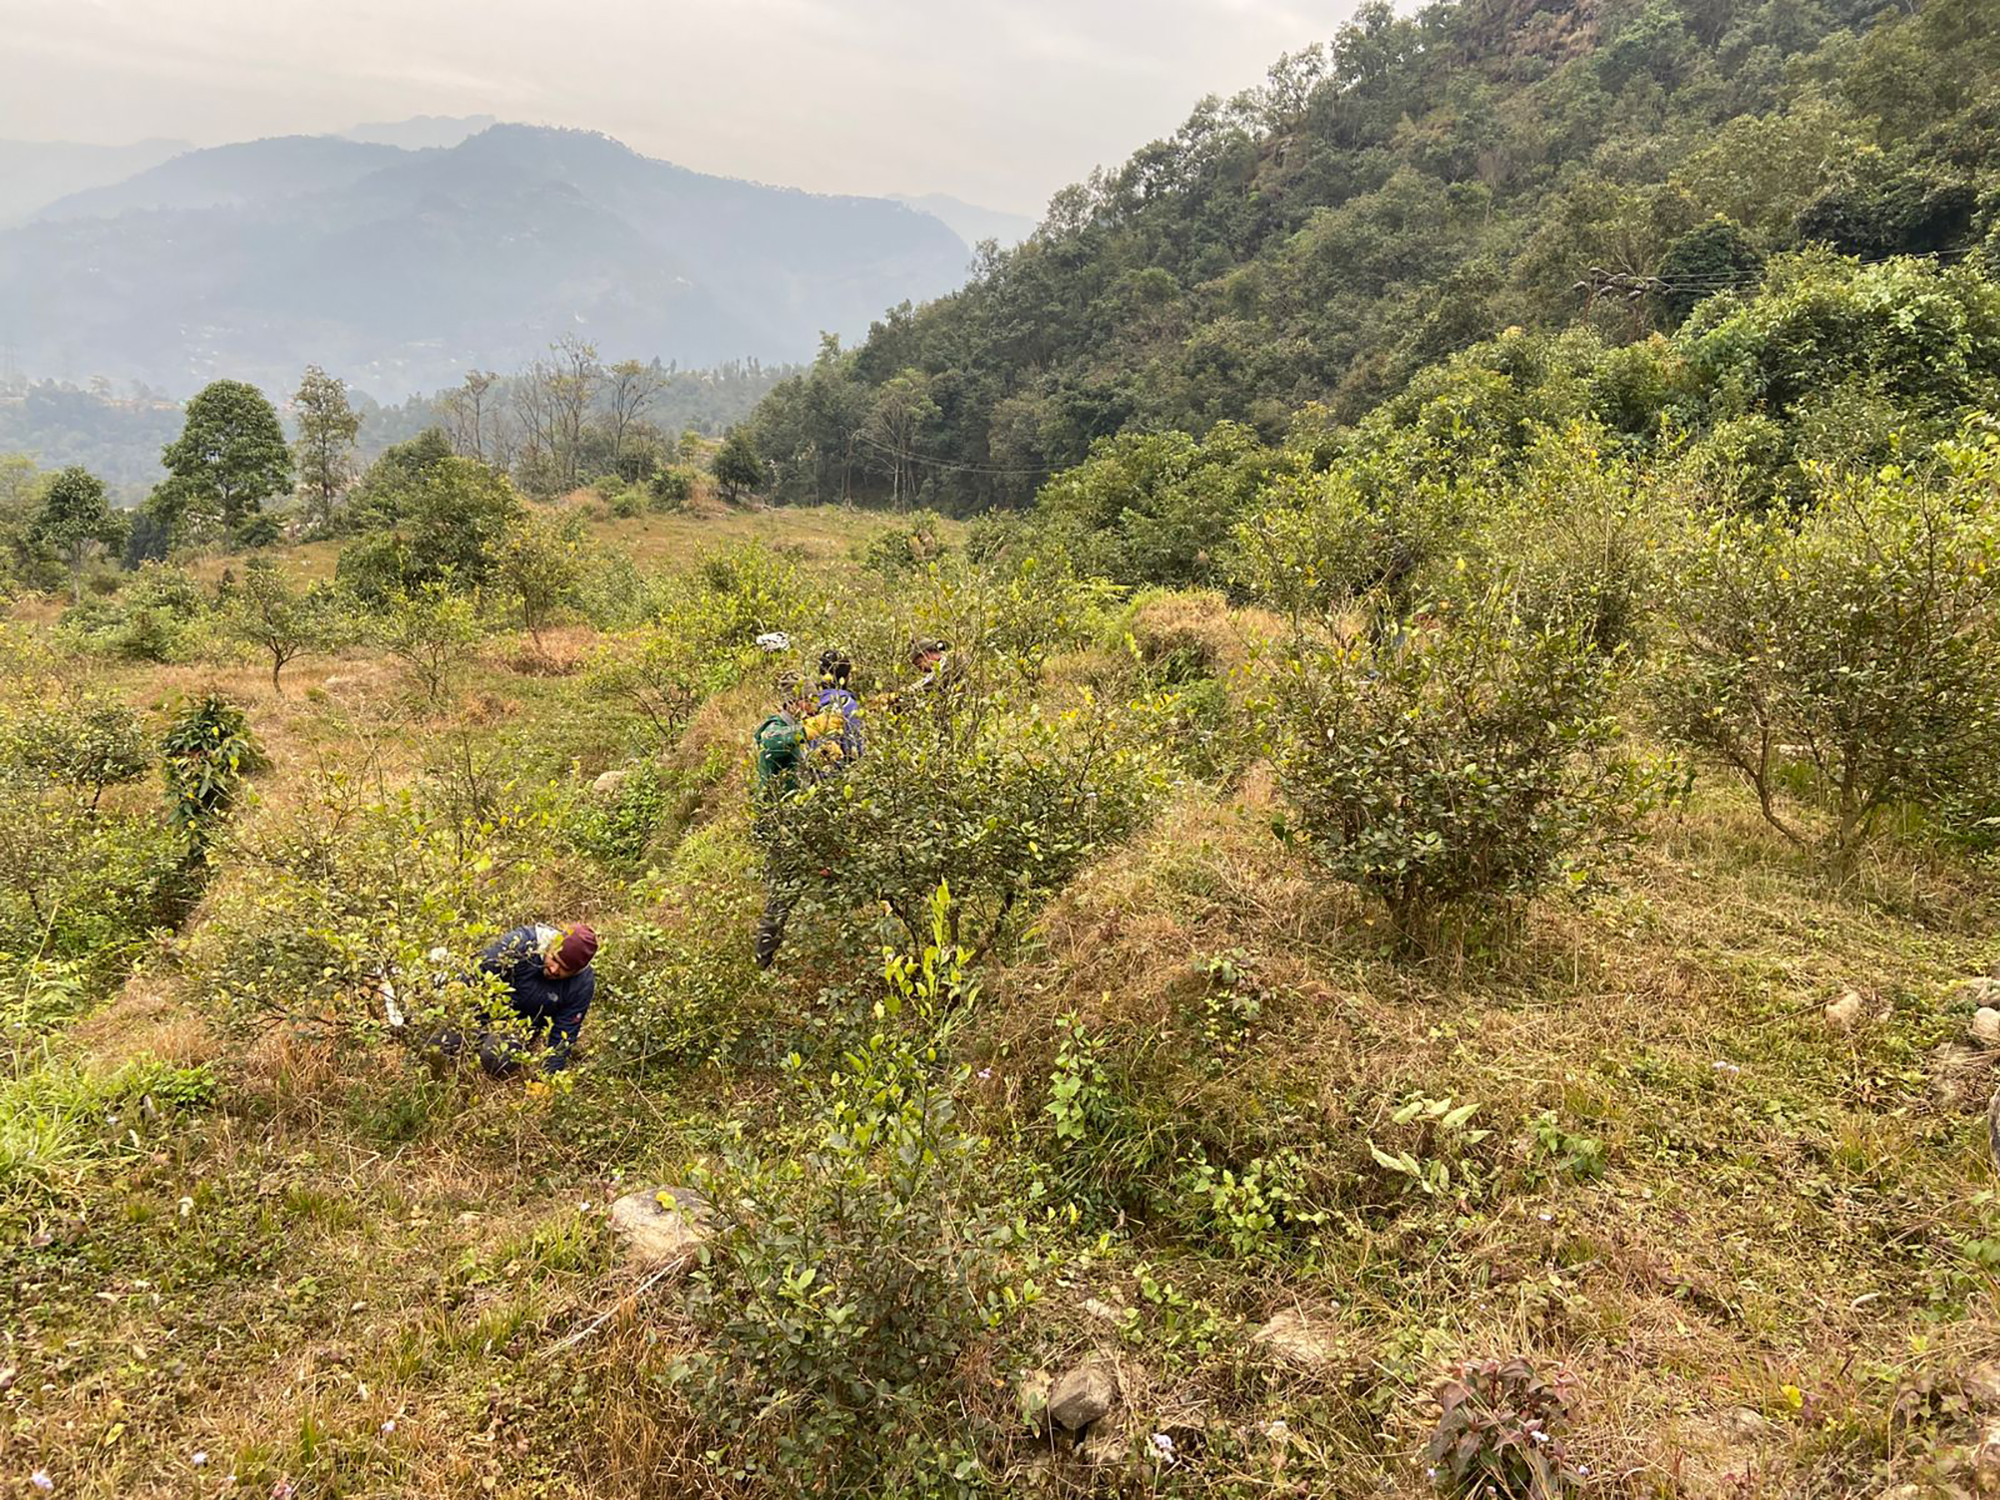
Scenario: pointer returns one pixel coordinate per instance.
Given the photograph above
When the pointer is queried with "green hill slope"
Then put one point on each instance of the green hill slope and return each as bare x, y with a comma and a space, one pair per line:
1424, 184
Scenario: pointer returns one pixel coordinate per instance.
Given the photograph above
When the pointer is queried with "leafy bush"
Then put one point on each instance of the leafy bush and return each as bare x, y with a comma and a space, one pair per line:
537, 563
77, 741
157, 618
440, 524
1501, 1433
351, 882
206, 754
434, 632
672, 487
1158, 507
282, 621
1455, 762
964, 786
1846, 659
914, 542
851, 1273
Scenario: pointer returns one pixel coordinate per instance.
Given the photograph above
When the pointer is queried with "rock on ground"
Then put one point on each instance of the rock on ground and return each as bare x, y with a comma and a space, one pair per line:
1297, 1340
661, 1225
1985, 1026
1083, 1395
1981, 1384
1971, 994
1844, 1014
610, 782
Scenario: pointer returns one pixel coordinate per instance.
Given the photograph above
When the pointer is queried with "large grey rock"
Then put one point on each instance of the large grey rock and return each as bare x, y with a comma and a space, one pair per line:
661, 1226
1844, 1014
609, 784
1970, 994
1298, 1340
1985, 1027
1083, 1395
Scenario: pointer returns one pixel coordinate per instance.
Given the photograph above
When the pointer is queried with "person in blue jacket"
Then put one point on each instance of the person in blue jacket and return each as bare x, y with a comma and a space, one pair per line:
548, 983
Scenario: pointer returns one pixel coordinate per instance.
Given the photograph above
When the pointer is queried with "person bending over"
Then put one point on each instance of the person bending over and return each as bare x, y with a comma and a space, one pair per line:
547, 984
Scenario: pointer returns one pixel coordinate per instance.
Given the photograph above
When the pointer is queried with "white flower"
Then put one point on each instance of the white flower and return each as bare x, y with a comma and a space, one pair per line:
1164, 1446
41, 1481
985, 1073
199, 1459
390, 1425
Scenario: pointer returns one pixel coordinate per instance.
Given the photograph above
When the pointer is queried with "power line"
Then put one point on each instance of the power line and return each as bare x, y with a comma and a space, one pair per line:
957, 468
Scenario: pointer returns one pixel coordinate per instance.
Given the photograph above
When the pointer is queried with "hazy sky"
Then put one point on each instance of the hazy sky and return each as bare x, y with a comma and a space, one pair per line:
1000, 102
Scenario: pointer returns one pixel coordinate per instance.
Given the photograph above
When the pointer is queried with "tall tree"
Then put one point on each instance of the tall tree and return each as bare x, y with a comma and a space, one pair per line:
476, 420
631, 388
76, 520
737, 466
328, 427
229, 459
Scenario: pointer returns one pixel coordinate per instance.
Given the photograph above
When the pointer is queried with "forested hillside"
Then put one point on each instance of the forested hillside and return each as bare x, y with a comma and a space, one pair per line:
1424, 184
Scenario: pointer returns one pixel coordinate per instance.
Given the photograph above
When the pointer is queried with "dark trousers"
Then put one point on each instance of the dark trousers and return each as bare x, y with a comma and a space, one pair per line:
499, 1053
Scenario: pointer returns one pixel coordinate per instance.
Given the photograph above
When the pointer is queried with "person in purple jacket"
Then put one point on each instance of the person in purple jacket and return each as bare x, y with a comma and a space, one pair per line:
548, 983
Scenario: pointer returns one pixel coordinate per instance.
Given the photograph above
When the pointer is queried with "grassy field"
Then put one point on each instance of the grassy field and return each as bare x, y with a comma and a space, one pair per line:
1621, 1139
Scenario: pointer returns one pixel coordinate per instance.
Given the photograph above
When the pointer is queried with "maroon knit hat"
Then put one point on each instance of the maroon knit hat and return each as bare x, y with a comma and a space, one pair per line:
579, 946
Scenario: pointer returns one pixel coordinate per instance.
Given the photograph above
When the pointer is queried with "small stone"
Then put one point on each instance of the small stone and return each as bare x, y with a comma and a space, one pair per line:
661, 1226
1981, 1385
1297, 1340
609, 784
1971, 994
1985, 1028
1845, 1013
1745, 1425
1986, 1462
1105, 1447
1083, 1395
1103, 1311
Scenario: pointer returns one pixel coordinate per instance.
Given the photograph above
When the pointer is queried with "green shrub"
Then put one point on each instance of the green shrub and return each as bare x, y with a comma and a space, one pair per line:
157, 618
858, 1258
967, 785
672, 487
1845, 662
1459, 762
206, 754
435, 633
76, 741
349, 882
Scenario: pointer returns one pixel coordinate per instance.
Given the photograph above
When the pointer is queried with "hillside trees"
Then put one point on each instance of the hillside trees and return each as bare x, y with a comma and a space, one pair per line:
324, 452
75, 520
229, 459
1331, 235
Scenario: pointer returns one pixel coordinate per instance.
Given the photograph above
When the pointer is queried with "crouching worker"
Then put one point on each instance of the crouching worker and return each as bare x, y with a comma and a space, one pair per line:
547, 986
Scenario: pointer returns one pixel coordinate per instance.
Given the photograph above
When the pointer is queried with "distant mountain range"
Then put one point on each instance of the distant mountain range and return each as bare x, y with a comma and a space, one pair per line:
33, 174
398, 256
